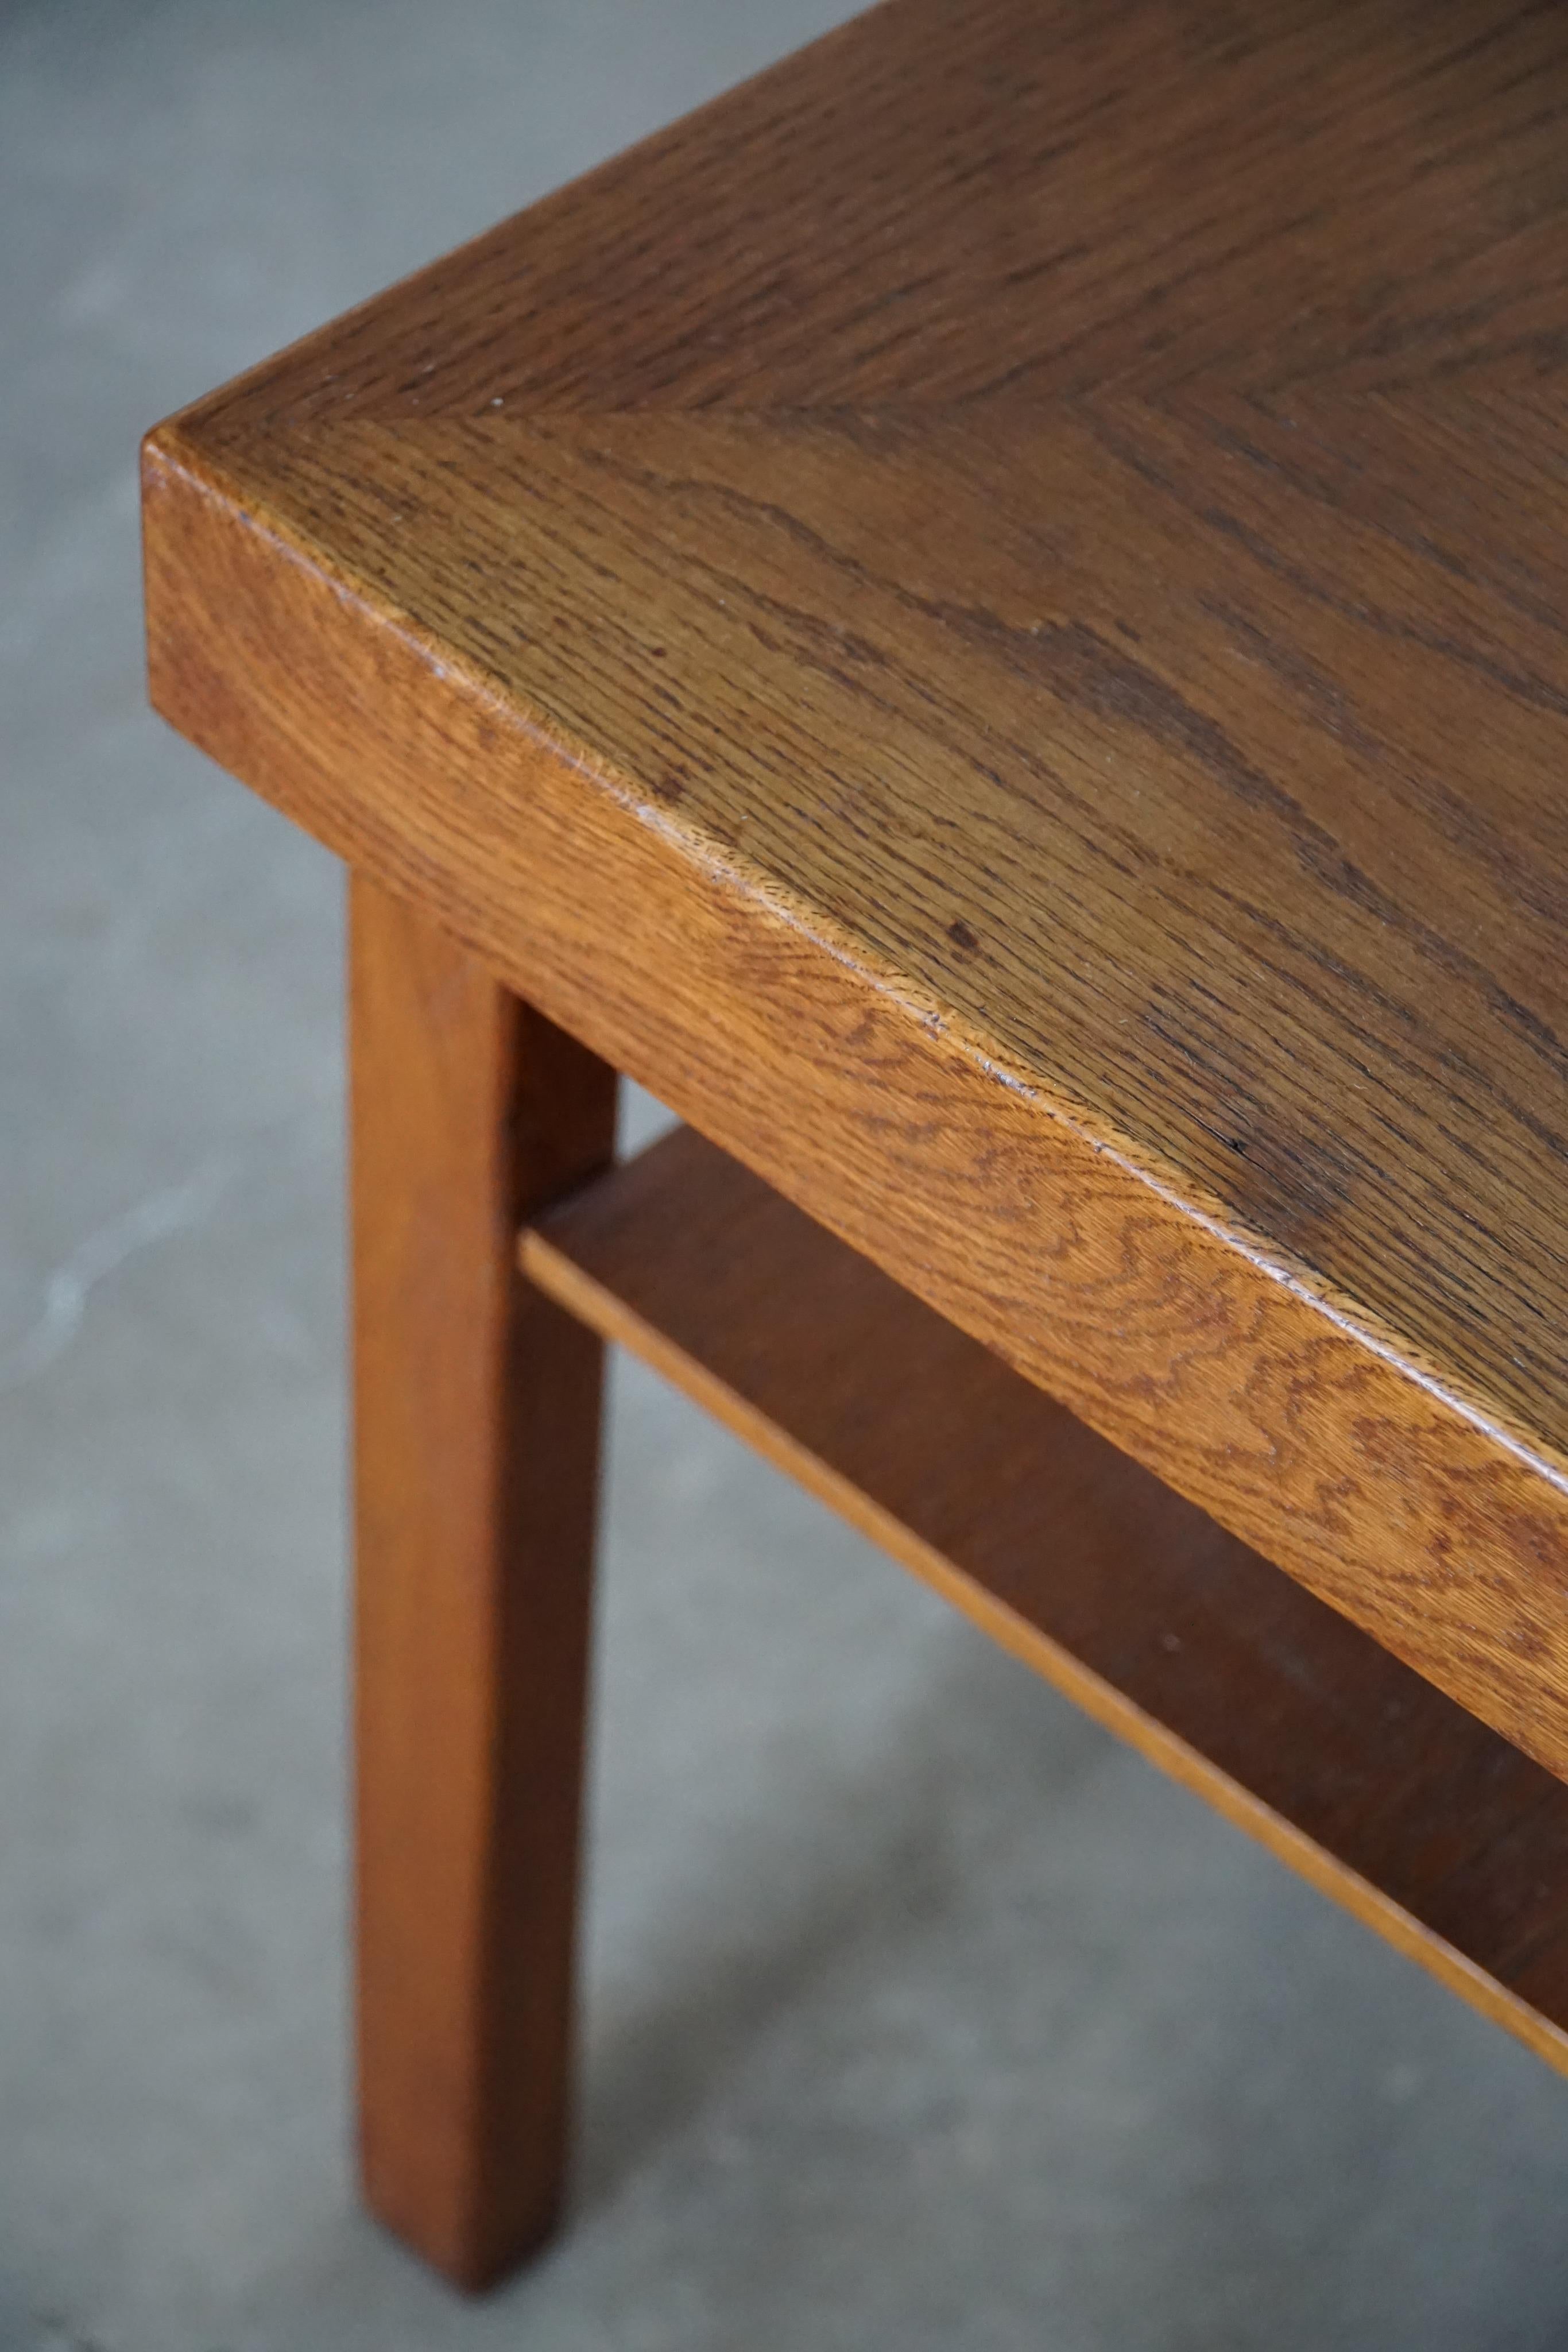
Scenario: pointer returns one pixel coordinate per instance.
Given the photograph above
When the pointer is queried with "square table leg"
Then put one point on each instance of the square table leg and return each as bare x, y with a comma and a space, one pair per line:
476, 1412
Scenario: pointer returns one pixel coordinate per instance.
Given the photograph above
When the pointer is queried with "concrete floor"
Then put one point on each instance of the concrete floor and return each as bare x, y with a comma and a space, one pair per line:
919, 2015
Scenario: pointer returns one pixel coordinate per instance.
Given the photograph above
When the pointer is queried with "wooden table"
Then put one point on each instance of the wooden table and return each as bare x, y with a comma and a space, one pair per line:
986, 616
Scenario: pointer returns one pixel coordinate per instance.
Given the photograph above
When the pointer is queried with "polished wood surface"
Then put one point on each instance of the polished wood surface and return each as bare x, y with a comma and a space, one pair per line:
476, 1426
1223, 1671
986, 616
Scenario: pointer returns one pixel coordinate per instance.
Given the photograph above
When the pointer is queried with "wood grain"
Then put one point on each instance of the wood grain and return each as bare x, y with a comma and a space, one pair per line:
986, 616
476, 1426
1221, 1670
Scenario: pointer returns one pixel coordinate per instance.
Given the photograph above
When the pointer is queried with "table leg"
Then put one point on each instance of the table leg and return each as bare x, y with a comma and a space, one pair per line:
476, 1404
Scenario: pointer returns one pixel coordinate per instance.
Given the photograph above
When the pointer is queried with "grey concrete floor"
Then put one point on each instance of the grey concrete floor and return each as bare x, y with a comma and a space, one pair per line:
919, 2014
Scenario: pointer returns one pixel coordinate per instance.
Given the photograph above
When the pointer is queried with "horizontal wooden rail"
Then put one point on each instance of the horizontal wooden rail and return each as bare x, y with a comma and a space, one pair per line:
1219, 1668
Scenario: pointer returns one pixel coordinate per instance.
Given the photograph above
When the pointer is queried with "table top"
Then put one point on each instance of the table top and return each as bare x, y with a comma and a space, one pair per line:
1064, 508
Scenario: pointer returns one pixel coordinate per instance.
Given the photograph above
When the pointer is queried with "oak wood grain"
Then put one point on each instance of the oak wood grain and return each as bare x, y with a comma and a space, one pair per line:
986, 616
1226, 1674
476, 1427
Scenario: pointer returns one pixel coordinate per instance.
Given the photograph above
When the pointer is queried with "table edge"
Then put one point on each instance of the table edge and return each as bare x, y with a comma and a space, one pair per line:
1287, 1411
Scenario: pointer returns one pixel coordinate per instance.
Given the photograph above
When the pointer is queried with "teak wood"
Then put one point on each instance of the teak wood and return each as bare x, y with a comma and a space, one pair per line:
1228, 1674
986, 616
476, 1429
